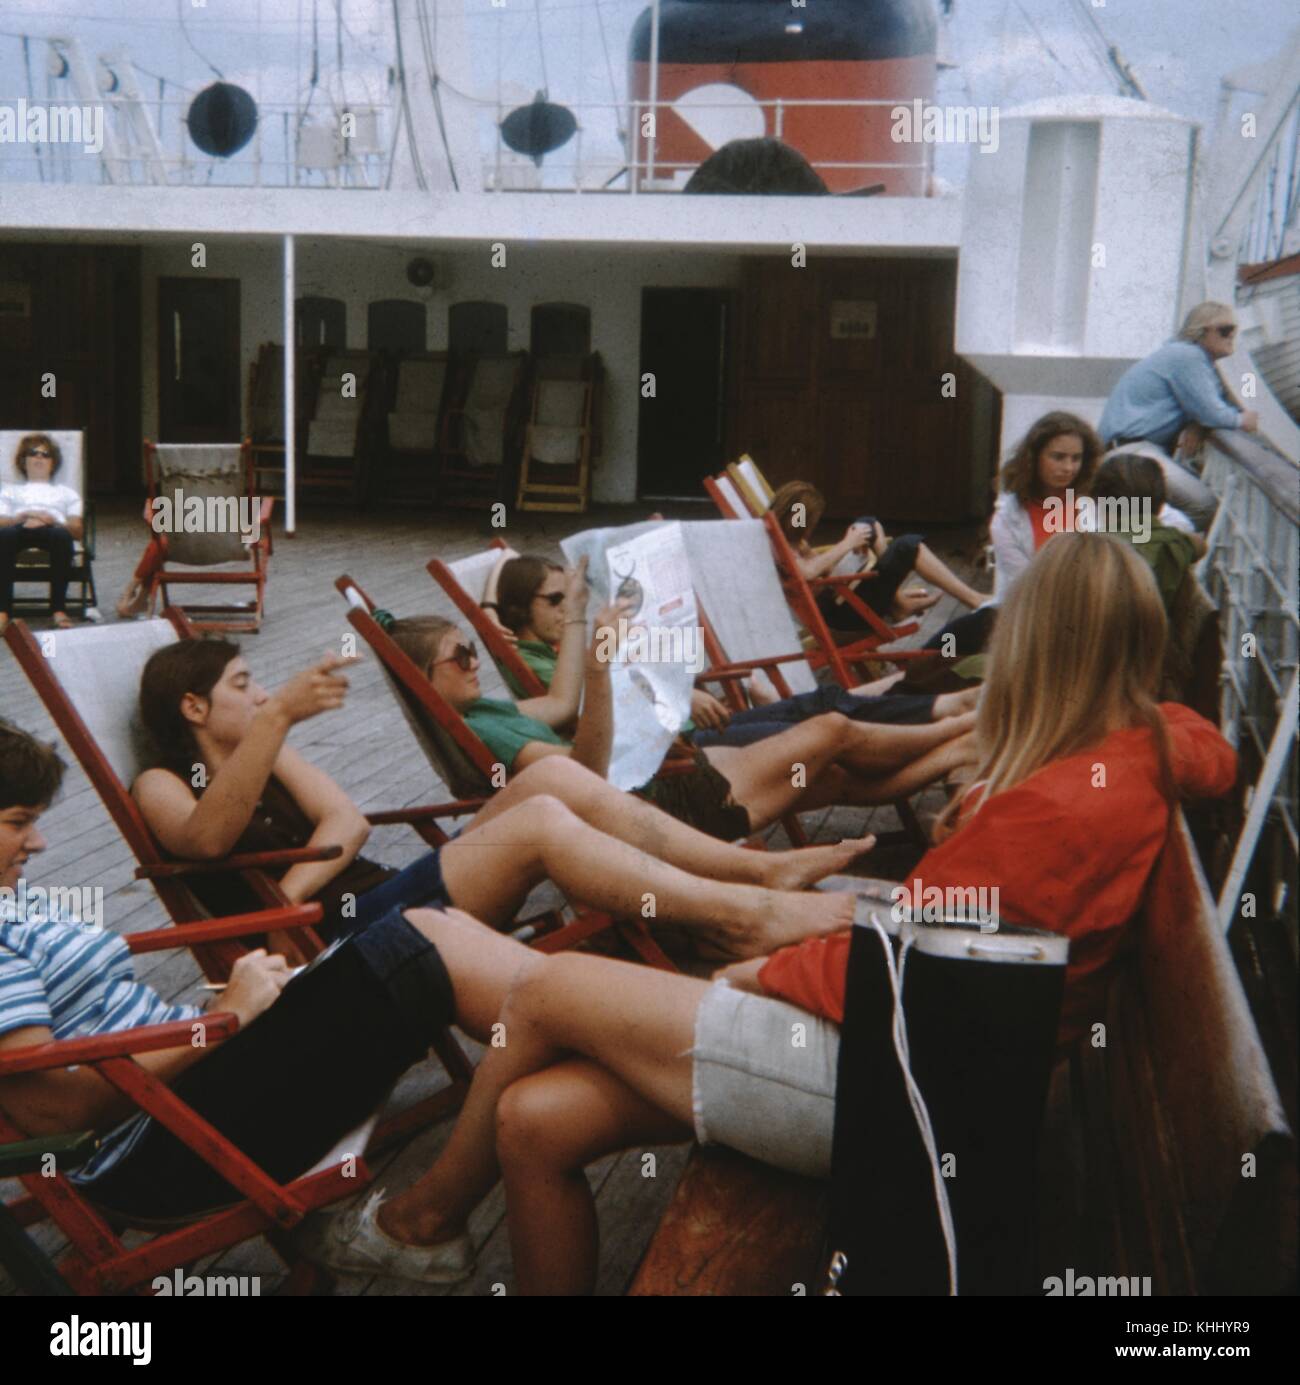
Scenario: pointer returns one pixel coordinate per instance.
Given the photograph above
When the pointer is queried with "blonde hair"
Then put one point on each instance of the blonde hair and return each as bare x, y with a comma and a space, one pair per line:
1204, 315
420, 637
1077, 652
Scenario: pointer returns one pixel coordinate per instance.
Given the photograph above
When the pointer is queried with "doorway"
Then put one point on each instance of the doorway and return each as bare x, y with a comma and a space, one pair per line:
198, 360
681, 429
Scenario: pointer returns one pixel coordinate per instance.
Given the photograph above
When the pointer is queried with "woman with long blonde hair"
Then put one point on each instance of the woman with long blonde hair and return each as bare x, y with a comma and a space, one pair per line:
1079, 771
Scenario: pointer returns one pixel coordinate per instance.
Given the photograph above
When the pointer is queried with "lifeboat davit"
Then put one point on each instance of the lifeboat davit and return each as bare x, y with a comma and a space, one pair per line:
722, 63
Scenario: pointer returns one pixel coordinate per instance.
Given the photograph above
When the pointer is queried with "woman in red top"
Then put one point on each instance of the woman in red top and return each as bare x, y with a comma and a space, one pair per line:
1080, 770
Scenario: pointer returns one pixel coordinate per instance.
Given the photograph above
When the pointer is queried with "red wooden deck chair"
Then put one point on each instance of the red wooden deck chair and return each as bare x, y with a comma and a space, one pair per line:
741, 491
89, 680
845, 660
99, 1261
473, 773
480, 431
212, 529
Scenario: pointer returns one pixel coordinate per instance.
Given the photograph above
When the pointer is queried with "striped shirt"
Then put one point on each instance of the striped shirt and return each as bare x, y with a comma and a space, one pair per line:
77, 982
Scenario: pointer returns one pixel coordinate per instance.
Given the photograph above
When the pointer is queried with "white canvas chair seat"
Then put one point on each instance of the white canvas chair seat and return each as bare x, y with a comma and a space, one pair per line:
484, 415
752, 485
419, 387
731, 495
332, 437
99, 669
209, 472
749, 612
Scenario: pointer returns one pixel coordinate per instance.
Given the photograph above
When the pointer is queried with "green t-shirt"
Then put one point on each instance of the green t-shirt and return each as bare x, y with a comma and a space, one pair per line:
505, 730
540, 657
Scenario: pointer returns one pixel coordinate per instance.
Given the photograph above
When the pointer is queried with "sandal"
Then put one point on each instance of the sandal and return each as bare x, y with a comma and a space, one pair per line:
63, 621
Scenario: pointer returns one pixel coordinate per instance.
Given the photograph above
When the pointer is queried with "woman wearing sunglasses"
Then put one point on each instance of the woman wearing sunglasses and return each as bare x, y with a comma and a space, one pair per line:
36, 512
225, 781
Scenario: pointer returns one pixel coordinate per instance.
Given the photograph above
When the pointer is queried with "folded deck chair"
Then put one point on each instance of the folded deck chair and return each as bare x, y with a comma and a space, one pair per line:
89, 682
266, 414
480, 434
34, 563
213, 529
472, 772
555, 472
99, 1261
417, 405
336, 438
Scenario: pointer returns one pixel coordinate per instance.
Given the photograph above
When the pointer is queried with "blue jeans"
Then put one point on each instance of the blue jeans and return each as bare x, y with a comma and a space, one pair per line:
420, 885
758, 723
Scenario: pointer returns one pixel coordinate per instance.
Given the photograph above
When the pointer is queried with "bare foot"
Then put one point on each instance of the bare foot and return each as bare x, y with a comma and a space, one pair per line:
781, 919
955, 704
62, 620
134, 601
798, 869
881, 685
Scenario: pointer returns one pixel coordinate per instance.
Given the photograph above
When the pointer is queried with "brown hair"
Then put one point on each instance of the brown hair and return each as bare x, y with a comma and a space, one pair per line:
1133, 475
33, 440
188, 666
30, 770
418, 637
518, 583
814, 506
1019, 477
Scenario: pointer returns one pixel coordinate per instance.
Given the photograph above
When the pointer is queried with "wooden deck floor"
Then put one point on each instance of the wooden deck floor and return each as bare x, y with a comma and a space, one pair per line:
370, 751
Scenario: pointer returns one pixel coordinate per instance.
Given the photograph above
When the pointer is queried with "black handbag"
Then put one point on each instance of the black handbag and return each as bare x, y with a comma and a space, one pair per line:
946, 1052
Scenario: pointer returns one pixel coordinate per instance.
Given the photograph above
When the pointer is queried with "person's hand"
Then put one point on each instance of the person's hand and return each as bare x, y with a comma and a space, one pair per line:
857, 536
742, 976
318, 689
34, 519
256, 981
707, 712
1249, 420
503, 630
575, 591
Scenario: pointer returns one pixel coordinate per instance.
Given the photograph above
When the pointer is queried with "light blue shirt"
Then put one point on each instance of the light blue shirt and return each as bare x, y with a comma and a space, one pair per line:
1158, 397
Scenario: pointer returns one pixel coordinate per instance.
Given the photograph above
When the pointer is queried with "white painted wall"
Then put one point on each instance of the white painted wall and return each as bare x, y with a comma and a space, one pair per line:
609, 282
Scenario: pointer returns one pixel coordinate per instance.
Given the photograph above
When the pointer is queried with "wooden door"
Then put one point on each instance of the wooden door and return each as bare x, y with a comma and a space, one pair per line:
198, 360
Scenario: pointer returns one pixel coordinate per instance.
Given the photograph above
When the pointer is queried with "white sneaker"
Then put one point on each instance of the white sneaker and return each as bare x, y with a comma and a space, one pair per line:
353, 1240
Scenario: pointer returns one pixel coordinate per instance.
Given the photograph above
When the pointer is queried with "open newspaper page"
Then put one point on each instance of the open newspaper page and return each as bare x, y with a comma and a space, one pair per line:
658, 650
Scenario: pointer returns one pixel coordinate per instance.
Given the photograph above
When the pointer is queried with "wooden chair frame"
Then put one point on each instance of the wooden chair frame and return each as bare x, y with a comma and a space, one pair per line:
569, 496
213, 951
33, 564
225, 617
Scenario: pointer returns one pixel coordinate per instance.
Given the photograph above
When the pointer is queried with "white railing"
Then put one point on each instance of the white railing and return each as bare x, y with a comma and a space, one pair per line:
1252, 574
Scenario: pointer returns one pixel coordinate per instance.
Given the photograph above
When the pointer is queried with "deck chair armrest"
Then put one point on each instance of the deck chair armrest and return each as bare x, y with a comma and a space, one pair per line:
737, 669
429, 813
88, 529
248, 860
846, 579
186, 935
148, 1038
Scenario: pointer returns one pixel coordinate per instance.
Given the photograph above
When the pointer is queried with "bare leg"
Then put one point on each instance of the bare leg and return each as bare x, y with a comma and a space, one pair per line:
773, 777
489, 873
838, 787
624, 1017
641, 824
934, 569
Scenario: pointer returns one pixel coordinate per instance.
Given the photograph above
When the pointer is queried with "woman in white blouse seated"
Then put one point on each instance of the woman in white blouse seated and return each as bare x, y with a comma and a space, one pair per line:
37, 512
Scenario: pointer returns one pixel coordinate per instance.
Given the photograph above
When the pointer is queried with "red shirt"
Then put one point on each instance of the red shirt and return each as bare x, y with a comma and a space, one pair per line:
1065, 853
1037, 511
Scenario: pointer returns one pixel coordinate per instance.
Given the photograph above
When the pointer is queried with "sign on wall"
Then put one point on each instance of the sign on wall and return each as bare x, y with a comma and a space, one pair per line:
853, 318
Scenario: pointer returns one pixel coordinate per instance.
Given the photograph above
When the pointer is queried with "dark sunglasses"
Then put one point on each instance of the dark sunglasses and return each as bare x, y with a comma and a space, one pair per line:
463, 657
38, 452
551, 598
1224, 331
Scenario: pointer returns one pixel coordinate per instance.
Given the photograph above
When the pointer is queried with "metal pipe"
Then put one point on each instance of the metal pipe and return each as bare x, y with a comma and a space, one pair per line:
290, 394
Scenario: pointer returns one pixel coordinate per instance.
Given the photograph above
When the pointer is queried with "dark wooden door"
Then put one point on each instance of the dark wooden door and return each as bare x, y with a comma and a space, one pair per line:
198, 360
681, 427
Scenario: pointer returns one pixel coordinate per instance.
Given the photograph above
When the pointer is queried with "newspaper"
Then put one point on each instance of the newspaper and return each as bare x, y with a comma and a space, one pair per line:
659, 646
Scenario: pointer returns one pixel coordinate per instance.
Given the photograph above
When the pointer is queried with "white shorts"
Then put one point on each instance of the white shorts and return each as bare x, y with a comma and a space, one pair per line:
764, 1079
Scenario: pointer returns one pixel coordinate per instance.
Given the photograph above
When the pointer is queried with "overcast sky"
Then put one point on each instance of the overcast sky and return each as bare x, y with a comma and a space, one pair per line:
1009, 51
